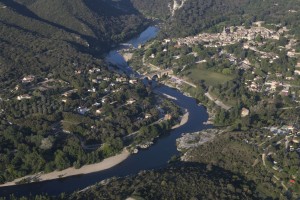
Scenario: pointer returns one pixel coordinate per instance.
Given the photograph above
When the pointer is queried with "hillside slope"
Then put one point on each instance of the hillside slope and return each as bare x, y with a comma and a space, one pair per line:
189, 181
38, 36
194, 16
104, 21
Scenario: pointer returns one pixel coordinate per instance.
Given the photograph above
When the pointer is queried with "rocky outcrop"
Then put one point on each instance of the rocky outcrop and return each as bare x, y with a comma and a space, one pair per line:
176, 5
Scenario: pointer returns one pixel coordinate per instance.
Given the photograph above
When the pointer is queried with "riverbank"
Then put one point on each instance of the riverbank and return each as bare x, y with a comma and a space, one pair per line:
144, 160
211, 115
86, 169
184, 120
71, 171
127, 56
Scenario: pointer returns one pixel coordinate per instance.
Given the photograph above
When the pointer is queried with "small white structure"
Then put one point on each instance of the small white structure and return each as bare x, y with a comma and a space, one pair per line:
28, 79
82, 110
24, 96
245, 112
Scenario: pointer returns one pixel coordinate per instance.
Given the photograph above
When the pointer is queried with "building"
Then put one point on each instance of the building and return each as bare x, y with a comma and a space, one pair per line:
68, 93
130, 101
28, 79
147, 116
133, 81
121, 79
24, 96
99, 111
82, 110
245, 112
285, 92
297, 72
168, 117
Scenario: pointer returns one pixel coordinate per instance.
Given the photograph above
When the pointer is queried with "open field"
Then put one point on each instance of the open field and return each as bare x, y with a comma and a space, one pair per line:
210, 77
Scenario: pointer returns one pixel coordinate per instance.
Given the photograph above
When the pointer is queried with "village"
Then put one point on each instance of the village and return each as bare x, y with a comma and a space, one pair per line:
270, 80
233, 35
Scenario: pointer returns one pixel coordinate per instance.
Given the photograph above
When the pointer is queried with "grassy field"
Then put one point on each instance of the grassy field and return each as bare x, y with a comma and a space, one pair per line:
210, 78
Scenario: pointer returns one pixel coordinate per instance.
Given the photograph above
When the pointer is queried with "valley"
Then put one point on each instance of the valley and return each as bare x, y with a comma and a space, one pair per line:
219, 82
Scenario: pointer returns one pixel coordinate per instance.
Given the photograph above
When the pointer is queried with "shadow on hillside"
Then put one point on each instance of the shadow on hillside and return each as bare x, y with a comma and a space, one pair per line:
119, 7
24, 11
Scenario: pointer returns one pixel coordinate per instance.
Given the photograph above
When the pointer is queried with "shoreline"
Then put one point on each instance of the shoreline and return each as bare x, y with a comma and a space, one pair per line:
71, 171
184, 120
86, 169
209, 111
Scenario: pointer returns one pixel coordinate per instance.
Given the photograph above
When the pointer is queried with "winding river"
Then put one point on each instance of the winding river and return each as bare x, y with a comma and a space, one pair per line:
154, 157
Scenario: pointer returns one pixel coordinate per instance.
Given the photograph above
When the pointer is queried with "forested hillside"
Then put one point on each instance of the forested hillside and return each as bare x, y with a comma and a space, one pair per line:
189, 181
39, 36
104, 21
49, 48
156, 8
178, 181
199, 15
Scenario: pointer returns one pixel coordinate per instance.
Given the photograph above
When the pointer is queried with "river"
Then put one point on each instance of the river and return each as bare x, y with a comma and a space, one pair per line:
154, 157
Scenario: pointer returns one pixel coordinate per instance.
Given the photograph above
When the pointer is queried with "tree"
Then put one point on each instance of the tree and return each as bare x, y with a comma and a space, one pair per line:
61, 160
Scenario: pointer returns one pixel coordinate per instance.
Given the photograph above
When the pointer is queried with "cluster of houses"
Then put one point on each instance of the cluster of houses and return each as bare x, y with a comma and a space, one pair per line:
113, 86
292, 136
291, 143
276, 84
232, 35
269, 87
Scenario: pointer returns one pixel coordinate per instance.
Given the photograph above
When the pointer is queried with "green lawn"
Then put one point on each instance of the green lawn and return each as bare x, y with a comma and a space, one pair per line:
210, 78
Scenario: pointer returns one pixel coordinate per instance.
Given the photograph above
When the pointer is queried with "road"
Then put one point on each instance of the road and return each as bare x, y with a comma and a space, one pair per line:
289, 85
264, 159
288, 108
217, 101
269, 170
184, 81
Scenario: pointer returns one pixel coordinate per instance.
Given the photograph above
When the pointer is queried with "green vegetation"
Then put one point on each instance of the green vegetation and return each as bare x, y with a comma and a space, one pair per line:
175, 182
155, 9
201, 15
76, 110
178, 181
59, 135
241, 153
209, 77
59, 103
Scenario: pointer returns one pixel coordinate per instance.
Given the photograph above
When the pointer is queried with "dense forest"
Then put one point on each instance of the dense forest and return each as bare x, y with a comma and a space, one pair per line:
59, 45
52, 34
190, 181
156, 9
